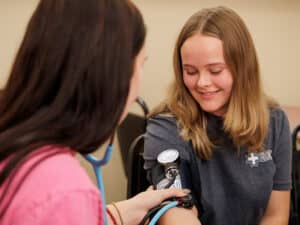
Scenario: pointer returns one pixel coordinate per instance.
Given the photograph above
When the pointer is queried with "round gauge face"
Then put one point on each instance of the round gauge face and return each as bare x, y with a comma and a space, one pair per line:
168, 156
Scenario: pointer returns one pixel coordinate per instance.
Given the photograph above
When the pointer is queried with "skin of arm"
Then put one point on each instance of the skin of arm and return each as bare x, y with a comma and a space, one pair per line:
179, 216
134, 209
278, 209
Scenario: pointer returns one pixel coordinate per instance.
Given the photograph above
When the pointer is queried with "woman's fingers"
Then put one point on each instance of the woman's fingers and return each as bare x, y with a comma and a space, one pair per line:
150, 188
155, 197
171, 192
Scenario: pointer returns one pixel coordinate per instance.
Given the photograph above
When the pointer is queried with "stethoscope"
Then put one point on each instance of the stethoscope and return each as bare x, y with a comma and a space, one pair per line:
97, 164
158, 211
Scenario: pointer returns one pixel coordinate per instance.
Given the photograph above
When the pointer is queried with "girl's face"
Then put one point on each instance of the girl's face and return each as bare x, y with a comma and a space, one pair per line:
205, 73
135, 80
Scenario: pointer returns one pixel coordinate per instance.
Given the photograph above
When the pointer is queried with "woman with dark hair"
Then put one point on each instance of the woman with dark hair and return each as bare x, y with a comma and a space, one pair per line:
74, 76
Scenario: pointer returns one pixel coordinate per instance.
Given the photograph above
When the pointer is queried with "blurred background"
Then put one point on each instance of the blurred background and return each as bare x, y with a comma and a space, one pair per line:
274, 25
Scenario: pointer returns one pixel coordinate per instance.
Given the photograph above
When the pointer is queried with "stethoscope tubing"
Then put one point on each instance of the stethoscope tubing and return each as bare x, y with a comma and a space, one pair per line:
162, 211
97, 164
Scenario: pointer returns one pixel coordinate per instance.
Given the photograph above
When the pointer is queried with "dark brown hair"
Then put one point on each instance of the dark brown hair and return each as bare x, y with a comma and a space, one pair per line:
72, 70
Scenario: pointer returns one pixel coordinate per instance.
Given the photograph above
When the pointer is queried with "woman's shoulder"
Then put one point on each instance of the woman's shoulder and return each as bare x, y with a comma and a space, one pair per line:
61, 170
163, 119
164, 125
53, 175
278, 118
279, 129
277, 112
51, 171
163, 133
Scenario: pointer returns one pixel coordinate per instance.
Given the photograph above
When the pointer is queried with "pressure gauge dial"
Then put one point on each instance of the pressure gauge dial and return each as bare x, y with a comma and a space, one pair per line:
168, 156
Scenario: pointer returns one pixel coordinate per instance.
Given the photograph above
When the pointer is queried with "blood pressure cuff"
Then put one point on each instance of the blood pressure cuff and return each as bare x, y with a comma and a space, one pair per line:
187, 171
157, 173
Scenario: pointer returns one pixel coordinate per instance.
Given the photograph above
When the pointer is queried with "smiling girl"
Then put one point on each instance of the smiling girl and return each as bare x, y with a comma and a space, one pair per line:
234, 139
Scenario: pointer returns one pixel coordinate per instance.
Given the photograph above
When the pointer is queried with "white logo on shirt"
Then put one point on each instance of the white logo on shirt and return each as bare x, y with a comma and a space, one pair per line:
254, 158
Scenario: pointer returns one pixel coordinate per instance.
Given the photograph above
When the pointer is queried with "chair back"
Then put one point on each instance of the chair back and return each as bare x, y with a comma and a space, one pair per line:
295, 193
131, 141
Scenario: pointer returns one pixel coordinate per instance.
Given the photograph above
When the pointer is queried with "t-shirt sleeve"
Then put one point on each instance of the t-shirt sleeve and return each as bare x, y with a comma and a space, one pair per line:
282, 152
74, 208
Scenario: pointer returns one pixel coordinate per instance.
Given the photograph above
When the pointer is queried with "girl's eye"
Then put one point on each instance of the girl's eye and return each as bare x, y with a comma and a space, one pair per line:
215, 72
191, 72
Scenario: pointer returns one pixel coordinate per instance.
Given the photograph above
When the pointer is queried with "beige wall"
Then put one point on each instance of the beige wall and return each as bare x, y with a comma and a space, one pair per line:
14, 16
274, 25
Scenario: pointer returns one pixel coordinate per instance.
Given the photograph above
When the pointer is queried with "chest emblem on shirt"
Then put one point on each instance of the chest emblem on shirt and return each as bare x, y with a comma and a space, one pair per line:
254, 158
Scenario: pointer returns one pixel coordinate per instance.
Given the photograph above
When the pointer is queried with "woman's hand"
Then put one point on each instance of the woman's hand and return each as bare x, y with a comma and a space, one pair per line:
134, 209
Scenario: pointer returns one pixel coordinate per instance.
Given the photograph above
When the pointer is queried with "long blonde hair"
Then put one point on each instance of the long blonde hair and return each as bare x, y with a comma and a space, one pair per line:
247, 117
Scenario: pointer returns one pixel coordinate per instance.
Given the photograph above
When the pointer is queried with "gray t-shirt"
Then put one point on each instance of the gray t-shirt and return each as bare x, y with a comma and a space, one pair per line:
232, 188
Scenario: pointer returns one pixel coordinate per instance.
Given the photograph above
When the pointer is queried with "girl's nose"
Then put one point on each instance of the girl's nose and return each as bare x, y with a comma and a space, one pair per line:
204, 79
